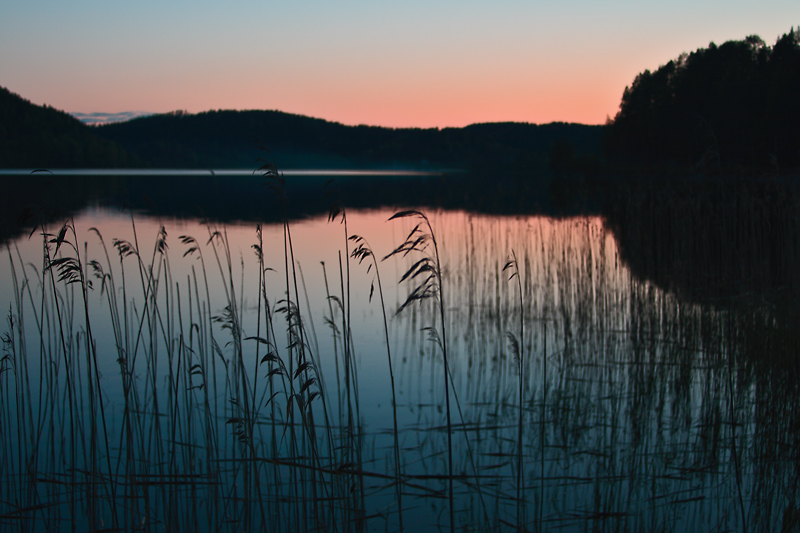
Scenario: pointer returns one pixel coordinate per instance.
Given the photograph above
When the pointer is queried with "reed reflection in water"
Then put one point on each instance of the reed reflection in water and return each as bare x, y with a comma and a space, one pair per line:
193, 377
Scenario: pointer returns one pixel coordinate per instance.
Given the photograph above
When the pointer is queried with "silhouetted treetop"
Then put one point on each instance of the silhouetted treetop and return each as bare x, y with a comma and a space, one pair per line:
732, 106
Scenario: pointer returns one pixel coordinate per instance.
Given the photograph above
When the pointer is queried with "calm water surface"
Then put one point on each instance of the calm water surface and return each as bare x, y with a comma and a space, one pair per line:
198, 387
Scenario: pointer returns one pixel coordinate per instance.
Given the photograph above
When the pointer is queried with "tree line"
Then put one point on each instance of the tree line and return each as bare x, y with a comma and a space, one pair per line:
732, 107
33, 136
727, 108
229, 139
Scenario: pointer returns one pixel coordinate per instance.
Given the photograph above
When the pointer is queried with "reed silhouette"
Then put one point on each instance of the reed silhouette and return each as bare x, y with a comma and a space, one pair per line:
211, 403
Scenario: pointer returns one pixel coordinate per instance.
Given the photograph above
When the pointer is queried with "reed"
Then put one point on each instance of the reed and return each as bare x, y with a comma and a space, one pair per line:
364, 252
429, 271
214, 406
518, 349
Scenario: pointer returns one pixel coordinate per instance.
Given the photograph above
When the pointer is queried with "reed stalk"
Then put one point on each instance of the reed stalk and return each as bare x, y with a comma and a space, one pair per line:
518, 349
362, 252
431, 286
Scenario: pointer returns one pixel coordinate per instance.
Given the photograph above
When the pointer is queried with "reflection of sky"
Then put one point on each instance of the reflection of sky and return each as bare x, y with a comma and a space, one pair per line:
395, 64
473, 250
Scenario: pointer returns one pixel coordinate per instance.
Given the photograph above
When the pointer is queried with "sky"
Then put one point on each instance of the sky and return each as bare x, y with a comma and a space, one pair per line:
415, 63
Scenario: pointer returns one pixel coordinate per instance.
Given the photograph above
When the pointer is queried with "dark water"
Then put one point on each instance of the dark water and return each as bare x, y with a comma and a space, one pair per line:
595, 383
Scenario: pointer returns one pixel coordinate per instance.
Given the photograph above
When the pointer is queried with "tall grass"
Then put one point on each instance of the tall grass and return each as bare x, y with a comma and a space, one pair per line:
429, 285
518, 350
363, 252
136, 394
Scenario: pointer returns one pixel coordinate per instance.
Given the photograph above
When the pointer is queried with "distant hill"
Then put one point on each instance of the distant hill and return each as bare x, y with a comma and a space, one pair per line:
231, 139
34, 136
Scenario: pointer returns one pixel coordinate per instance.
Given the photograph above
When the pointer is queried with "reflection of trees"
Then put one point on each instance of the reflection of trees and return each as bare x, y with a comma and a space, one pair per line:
716, 239
248, 198
731, 246
658, 411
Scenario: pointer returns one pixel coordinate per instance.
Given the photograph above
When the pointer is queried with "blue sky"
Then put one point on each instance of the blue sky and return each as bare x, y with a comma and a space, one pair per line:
409, 63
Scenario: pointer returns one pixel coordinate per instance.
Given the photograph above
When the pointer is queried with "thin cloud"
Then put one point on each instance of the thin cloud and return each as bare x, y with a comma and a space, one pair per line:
96, 119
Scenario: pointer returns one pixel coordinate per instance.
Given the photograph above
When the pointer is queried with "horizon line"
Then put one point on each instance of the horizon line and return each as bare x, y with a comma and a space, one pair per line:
101, 118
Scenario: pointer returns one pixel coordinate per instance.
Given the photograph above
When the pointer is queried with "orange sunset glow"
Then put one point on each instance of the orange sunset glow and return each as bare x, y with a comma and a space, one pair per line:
414, 65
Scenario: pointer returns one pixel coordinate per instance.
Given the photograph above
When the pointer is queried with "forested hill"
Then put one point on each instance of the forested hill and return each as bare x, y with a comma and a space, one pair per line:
732, 107
34, 136
231, 139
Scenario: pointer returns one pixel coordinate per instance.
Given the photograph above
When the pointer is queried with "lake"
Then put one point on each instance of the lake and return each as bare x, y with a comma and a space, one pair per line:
212, 358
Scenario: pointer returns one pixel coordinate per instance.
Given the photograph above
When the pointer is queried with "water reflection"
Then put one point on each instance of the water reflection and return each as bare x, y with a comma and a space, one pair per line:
236, 196
222, 390
711, 240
